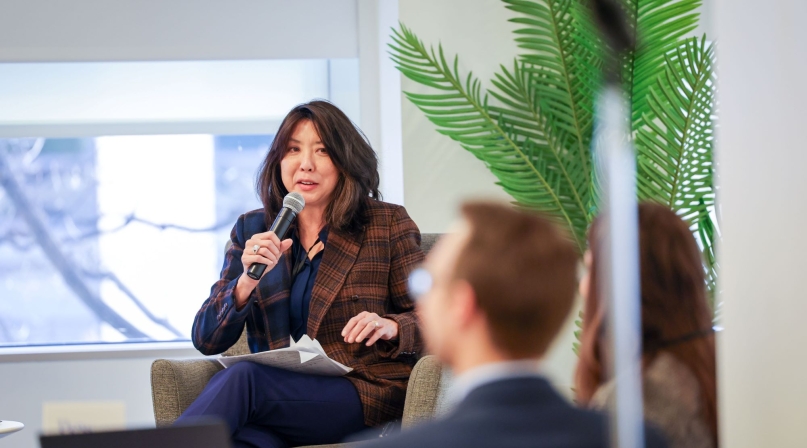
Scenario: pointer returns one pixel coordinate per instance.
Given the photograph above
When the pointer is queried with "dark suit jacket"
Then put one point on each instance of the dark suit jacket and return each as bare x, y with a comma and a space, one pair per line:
359, 272
512, 413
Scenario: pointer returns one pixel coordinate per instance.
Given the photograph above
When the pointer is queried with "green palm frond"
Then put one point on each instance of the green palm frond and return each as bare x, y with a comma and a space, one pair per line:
461, 112
518, 93
565, 75
674, 144
578, 332
658, 26
708, 235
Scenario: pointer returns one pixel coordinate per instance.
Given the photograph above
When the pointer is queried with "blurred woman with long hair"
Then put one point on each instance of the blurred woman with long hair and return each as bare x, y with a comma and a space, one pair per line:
678, 344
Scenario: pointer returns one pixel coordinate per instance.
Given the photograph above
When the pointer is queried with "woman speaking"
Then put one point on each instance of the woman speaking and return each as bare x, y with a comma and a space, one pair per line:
339, 277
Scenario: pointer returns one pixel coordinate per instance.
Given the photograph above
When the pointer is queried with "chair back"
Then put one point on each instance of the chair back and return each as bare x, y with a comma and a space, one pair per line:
428, 240
426, 392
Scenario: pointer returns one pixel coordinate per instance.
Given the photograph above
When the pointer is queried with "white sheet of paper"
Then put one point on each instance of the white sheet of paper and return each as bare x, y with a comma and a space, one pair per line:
304, 356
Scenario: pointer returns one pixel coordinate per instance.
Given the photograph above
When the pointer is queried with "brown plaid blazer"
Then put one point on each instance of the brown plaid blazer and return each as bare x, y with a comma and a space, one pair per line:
362, 272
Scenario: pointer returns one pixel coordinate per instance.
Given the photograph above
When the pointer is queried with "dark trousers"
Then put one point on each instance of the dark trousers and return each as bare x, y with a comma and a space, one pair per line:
269, 407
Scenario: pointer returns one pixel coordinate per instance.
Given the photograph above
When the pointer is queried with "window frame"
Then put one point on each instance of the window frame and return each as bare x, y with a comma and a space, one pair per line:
379, 97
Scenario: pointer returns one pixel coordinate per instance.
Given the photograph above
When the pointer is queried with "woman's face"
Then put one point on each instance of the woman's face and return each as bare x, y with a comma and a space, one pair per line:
307, 167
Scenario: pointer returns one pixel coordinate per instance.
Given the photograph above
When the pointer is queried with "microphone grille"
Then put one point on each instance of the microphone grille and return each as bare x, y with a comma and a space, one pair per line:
294, 201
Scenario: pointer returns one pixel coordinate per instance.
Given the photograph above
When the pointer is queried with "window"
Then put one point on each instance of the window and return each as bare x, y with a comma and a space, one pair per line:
115, 237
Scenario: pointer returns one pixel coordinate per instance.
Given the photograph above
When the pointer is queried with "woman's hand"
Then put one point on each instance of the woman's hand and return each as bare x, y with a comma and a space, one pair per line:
265, 248
370, 326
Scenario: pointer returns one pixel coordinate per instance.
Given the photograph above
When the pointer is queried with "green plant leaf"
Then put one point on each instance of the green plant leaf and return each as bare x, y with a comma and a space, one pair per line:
566, 74
674, 143
516, 90
708, 234
658, 27
462, 113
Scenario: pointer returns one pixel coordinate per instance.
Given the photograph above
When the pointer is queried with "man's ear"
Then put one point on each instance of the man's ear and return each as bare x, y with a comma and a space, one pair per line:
463, 307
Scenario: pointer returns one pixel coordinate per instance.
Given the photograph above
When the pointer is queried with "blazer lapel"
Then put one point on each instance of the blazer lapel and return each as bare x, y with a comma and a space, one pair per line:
337, 261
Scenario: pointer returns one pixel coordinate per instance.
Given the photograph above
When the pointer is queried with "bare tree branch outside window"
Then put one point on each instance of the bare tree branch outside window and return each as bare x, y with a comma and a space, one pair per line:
36, 217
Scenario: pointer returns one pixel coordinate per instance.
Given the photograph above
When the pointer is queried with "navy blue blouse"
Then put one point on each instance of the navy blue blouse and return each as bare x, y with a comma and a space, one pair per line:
303, 283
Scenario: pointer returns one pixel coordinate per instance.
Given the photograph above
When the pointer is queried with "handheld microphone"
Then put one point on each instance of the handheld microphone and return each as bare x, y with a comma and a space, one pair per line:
293, 204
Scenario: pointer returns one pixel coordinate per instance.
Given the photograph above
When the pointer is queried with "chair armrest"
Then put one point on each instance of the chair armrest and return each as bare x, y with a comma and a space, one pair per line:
176, 383
424, 393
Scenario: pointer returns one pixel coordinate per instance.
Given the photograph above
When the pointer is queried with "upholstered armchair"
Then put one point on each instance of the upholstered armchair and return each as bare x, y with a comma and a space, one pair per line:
175, 384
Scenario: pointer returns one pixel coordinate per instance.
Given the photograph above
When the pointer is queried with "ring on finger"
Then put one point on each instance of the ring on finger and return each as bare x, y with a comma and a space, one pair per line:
255, 249
376, 324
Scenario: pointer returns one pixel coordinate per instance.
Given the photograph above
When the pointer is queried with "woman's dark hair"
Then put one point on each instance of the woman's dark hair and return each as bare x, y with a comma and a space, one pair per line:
676, 317
351, 154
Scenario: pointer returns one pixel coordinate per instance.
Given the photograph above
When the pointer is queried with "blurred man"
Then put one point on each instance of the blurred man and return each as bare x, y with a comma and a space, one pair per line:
492, 296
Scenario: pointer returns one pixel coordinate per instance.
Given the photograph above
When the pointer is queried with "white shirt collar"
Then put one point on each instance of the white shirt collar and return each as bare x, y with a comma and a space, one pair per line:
489, 373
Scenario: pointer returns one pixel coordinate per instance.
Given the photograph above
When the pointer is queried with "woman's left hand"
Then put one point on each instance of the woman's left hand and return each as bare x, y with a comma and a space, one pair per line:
370, 326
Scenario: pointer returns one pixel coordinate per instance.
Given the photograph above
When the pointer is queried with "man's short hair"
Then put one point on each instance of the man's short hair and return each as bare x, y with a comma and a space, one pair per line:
523, 270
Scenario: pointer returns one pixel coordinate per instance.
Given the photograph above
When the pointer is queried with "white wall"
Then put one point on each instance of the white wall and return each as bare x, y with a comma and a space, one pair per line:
26, 385
438, 173
381, 93
761, 150
141, 30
